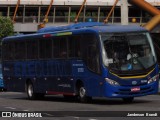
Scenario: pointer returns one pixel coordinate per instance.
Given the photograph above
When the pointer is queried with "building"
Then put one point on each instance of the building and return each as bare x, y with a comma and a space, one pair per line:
31, 13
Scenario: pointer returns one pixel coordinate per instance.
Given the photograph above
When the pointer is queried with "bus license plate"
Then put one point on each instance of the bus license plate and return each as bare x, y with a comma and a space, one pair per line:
135, 89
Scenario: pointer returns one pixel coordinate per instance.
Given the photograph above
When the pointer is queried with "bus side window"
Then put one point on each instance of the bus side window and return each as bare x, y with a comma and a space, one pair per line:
60, 47
63, 47
91, 53
32, 49
45, 48
74, 46
20, 50
8, 49
56, 48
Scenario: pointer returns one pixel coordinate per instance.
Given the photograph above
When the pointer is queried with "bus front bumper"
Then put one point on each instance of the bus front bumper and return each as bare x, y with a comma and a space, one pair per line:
131, 91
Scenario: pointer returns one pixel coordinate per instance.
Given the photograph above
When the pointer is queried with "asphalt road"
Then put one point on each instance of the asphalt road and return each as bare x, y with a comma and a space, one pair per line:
58, 108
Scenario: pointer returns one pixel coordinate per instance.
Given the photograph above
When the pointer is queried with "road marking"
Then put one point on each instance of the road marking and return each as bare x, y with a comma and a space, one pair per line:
48, 114
25, 110
10, 108
77, 118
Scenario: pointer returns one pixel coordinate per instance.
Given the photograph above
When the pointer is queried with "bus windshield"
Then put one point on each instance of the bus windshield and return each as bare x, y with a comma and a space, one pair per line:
128, 51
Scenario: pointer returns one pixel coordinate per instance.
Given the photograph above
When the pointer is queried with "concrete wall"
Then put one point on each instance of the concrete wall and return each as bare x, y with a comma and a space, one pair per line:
57, 2
32, 27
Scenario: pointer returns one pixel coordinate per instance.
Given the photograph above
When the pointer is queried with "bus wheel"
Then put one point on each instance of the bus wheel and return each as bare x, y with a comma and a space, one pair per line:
82, 95
31, 94
128, 100
30, 91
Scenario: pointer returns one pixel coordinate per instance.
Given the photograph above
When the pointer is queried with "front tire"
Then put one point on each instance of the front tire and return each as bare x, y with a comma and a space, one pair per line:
82, 95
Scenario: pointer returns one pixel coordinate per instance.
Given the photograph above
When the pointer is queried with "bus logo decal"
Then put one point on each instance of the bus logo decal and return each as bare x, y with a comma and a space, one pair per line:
134, 82
80, 69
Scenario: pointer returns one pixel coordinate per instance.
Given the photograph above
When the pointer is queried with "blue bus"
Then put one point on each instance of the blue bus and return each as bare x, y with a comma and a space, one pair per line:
1, 79
83, 60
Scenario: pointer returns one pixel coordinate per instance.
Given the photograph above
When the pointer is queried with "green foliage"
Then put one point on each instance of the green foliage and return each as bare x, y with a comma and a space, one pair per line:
6, 27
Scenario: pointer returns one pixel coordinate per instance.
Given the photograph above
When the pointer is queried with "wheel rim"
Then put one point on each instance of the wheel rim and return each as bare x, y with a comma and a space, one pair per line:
30, 90
82, 92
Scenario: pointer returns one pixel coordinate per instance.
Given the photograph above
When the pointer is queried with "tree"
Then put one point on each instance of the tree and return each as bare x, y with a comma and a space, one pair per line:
6, 27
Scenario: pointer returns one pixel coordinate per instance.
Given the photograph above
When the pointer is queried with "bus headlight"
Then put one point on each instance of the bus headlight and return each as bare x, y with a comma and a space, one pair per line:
153, 79
112, 82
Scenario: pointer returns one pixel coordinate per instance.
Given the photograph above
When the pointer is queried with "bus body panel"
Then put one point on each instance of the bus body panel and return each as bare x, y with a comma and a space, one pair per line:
56, 82
45, 74
58, 76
